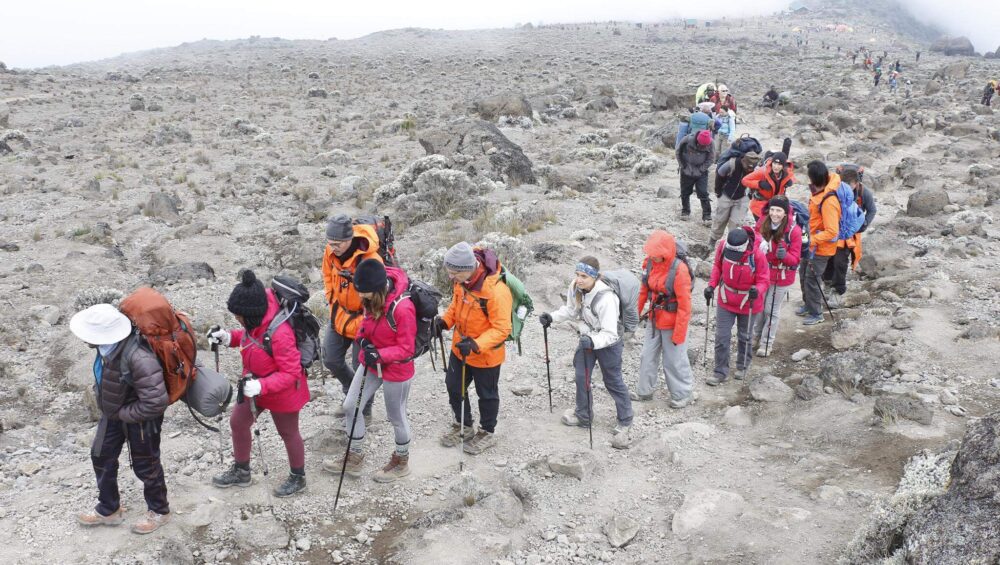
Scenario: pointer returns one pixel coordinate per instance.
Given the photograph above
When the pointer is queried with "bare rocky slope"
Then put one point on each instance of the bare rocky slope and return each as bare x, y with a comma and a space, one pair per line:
177, 167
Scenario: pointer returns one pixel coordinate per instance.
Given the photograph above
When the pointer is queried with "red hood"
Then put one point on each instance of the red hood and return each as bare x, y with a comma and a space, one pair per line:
660, 244
400, 282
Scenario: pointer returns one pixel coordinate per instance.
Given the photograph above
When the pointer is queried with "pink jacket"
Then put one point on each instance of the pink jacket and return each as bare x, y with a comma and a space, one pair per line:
394, 346
733, 284
283, 386
783, 270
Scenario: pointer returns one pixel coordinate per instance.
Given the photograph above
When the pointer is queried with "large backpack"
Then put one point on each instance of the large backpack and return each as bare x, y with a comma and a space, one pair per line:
386, 239
168, 333
852, 217
681, 257
801, 212
727, 270
293, 296
743, 145
521, 305
625, 285
425, 299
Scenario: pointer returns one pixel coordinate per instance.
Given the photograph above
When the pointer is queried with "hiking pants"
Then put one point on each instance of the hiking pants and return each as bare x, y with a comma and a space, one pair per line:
487, 380
836, 270
692, 185
767, 321
395, 394
675, 364
729, 214
813, 294
724, 336
144, 453
610, 358
335, 348
287, 423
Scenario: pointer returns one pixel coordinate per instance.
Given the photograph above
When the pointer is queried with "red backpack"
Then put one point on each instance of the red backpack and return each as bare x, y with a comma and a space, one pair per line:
738, 276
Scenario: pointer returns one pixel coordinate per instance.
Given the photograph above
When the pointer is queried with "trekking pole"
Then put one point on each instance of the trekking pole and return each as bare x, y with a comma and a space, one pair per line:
257, 440
222, 455
444, 358
350, 436
770, 316
461, 425
548, 370
708, 324
749, 342
822, 293
590, 398
431, 342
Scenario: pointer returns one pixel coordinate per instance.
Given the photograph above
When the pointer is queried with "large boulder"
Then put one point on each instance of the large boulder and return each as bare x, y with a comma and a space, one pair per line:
954, 46
850, 370
12, 140
505, 104
479, 148
669, 99
955, 70
927, 201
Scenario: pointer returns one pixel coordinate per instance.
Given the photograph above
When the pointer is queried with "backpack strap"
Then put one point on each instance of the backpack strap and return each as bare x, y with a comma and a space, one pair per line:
390, 315
593, 308
132, 343
671, 277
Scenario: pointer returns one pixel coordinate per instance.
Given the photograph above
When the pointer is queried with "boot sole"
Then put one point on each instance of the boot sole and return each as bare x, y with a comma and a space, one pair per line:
390, 478
102, 523
303, 489
241, 485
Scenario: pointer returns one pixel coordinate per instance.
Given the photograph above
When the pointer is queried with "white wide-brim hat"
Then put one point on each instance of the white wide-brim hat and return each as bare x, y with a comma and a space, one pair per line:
101, 324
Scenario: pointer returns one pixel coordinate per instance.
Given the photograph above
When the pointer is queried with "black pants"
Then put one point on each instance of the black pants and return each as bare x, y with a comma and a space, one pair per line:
836, 269
487, 382
699, 186
144, 446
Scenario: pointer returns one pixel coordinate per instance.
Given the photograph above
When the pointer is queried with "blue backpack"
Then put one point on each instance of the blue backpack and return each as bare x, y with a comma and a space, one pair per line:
801, 212
852, 217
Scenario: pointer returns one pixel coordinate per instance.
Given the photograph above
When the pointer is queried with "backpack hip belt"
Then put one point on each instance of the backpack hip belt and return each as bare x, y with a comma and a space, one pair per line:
745, 293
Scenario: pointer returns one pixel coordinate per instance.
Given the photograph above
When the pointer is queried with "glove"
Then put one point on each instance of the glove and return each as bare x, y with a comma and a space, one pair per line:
781, 252
251, 388
709, 293
437, 326
545, 319
218, 336
467, 346
764, 186
365, 343
372, 357
586, 342
753, 293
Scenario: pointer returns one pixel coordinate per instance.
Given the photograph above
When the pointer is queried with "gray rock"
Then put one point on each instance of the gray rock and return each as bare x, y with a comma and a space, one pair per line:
847, 334
163, 206
183, 272
801, 355
850, 370
810, 388
736, 416
13, 140
317, 93
954, 46
620, 530
479, 148
578, 178
136, 103
505, 104
439, 517
176, 552
891, 408
770, 389
925, 202
507, 508
705, 509
4, 115
668, 98
602, 104
263, 532
573, 464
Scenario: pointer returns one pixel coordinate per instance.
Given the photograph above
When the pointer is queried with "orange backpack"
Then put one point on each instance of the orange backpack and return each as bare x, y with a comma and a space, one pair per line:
168, 333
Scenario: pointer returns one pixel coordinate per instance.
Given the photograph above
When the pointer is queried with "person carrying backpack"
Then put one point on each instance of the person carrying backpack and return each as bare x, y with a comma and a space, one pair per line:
667, 289
695, 155
274, 382
731, 195
991, 88
741, 275
849, 250
824, 225
131, 413
723, 100
773, 179
594, 309
480, 319
781, 239
386, 362
347, 246
725, 133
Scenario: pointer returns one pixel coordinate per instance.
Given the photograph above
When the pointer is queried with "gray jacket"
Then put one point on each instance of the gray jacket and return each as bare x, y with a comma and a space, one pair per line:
140, 397
695, 160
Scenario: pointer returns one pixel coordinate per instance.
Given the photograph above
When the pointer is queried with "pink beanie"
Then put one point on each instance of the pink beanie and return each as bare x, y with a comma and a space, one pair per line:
704, 137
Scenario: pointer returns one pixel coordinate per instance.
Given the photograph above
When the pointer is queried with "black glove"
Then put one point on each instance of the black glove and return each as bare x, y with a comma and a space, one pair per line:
586, 342
364, 343
753, 293
467, 346
545, 319
764, 186
709, 293
781, 252
437, 326
372, 357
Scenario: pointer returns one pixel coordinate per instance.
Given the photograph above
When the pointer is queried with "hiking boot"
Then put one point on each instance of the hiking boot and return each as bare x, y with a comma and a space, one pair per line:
235, 476
706, 219
635, 396
802, 311
453, 437
835, 301
622, 438
763, 352
93, 518
150, 523
740, 374
813, 320
682, 402
293, 484
569, 418
482, 441
716, 380
685, 216
397, 468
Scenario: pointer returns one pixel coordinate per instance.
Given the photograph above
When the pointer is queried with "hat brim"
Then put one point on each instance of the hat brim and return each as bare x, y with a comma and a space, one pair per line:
95, 335
733, 255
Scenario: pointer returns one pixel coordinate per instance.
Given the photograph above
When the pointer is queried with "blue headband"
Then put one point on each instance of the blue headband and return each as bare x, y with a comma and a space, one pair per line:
588, 270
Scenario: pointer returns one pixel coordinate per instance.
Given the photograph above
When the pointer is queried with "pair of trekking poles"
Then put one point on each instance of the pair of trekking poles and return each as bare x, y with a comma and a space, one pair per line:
586, 376
708, 325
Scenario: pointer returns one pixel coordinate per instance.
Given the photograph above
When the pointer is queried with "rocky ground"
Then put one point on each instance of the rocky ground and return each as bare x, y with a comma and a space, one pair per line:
176, 167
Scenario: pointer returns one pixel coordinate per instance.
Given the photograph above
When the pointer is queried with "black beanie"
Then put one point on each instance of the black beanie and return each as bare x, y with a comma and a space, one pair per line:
370, 276
248, 298
736, 244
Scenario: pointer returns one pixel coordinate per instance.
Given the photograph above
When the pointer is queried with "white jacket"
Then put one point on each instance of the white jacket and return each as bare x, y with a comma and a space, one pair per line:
603, 328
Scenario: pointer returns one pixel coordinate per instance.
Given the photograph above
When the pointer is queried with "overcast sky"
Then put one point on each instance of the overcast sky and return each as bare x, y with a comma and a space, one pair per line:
56, 32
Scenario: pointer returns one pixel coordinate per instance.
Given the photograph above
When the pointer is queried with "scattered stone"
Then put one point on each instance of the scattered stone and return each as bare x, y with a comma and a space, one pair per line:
801, 355
736, 416
317, 93
620, 530
664, 98
482, 149
585, 234
705, 509
522, 390
576, 464
262, 532
810, 388
890, 408
925, 202
770, 389
602, 104
508, 508
512, 104
829, 493
183, 272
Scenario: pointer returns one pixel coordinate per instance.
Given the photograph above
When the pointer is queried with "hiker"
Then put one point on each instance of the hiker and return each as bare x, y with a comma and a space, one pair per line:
824, 225
704, 93
908, 88
480, 319
347, 246
771, 98
667, 290
893, 84
741, 274
731, 195
695, 155
386, 362
781, 239
918, 56
849, 251
773, 179
725, 133
854, 58
594, 309
988, 92
131, 412
698, 121
274, 382
878, 75
723, 99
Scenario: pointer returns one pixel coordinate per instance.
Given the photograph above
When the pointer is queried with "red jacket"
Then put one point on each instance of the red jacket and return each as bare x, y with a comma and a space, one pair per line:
782, 271
729, 102
283, 386
734, 281
395, 347
661, 245
763, 187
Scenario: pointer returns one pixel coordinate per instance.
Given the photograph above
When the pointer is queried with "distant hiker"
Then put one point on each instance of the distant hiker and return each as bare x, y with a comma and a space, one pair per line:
771, 98
131, 412
731, 194
704, 93
878, 75
272, 381
386, 362
594, 309
695, 155
725, 133
854, 58
893, 84
824, 224
766, 182
918, 56
781, 240
723, 99
666, 289
908, 88
897, 67
741, 274
849, 251
991, 88
480, 319
347, 245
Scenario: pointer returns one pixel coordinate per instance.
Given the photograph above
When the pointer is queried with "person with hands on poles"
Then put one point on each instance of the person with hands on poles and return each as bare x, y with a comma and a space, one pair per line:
741, 276
274, 382
594, 308
781, 240
824, 226
480, 319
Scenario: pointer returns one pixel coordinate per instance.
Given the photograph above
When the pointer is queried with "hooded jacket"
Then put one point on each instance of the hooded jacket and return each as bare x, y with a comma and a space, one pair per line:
695, 160
345, 304
763, 186
283, 386
782, 271
595, 313
824, 223
733, 282
465, 314
143, 397
661, 245
395, 347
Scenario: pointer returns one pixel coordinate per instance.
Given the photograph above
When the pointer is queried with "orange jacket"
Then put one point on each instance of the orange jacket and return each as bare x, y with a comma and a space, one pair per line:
823, 228
759, 196
466, 316
338, 277
661, 245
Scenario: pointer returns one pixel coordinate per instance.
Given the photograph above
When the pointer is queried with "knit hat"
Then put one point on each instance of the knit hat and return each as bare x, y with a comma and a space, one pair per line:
704, 137
699, 121
101, 324
340, 228
370, 276
460, 258
248, 298
589, 266
779, 201
736, 244
779, 157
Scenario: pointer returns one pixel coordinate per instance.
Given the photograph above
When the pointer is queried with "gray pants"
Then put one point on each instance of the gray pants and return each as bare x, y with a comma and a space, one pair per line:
724, 336
396, 395
773, 300
335, 350
675, 365
610, 359
813, 288
729, 214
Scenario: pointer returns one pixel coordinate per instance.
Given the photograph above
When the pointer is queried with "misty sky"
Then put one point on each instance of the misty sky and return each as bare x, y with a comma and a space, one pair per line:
56, 32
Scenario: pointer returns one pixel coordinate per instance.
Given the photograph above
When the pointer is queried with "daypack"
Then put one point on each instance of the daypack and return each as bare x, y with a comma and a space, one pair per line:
386, 239
801, 212
729, 267
521, 305
743, 145
625, 285
425, 299
852, 217
209, 394
293, 296
681, 256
